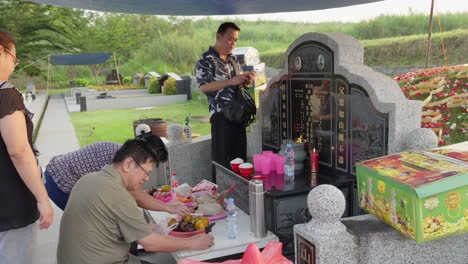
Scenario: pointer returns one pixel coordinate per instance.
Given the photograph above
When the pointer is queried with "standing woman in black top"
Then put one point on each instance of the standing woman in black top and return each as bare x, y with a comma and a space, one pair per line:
23, 197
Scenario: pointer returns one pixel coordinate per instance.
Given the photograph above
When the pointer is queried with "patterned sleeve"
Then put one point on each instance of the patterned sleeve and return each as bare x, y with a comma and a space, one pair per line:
10, 101
204, 71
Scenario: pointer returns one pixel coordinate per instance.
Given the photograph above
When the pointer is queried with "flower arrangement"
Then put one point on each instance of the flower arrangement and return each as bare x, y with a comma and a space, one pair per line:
105, 87
444, 92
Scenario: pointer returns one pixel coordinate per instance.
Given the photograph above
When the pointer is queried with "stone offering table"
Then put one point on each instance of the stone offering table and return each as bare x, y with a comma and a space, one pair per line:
364, 239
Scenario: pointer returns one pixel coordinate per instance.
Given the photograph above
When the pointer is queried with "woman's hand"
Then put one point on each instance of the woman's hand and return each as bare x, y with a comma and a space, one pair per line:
46, 213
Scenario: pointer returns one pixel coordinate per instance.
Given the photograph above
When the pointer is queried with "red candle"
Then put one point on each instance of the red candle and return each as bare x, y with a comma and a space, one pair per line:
314, 161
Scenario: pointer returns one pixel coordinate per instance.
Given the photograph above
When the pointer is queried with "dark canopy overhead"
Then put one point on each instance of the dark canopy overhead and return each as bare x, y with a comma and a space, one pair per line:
203, 7
79, 59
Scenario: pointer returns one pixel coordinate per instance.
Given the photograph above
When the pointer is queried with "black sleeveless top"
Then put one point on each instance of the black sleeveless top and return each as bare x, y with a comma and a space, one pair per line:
18, 207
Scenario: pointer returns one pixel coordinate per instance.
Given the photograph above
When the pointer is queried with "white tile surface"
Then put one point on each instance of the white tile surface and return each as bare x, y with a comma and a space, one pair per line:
222, 245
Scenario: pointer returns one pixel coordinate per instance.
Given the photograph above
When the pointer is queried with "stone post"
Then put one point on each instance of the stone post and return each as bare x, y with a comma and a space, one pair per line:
324, 239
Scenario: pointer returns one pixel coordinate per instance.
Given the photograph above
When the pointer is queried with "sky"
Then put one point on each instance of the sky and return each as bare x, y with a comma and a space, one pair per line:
362, 12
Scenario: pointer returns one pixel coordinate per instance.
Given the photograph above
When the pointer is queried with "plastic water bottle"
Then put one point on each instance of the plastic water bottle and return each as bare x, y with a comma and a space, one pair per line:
174, 180
187, 129
289, 164
231, 210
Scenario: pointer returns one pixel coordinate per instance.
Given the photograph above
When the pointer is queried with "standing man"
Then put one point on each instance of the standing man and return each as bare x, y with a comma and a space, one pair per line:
219, 76
102, 218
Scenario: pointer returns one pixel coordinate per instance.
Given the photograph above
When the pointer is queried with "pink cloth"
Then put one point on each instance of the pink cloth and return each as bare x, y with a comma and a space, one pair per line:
271, 254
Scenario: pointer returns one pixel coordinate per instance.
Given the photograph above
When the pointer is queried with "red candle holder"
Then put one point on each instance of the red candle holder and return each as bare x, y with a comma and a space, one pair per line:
314, 161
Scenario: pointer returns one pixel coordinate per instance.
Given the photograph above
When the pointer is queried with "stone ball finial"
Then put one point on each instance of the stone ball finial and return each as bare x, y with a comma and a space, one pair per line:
142, 129
326, 203
421, 139
174, 133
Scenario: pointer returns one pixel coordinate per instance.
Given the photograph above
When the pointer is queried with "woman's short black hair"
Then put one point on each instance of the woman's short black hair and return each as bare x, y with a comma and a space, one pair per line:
141, 149
227, 25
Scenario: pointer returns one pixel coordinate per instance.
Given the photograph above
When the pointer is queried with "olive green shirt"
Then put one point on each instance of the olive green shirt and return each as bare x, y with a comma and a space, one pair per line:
100, 221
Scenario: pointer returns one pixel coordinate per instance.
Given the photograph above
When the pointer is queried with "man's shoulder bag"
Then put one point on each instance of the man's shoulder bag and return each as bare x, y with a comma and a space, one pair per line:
241, 109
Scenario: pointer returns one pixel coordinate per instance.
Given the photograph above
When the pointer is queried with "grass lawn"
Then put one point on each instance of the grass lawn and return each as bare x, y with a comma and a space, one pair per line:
117, 125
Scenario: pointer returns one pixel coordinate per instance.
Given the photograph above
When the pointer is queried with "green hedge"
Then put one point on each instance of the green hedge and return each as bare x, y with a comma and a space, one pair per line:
170, 86
154, 87
127, 79
81, 82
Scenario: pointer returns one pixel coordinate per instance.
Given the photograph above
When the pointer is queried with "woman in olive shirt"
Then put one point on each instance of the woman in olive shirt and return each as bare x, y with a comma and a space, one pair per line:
23, 197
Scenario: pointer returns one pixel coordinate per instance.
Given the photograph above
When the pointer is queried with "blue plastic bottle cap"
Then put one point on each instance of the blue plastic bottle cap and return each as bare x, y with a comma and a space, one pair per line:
289, 145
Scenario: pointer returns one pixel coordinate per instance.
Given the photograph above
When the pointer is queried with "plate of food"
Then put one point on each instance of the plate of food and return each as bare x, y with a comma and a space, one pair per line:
164, 194
190, 225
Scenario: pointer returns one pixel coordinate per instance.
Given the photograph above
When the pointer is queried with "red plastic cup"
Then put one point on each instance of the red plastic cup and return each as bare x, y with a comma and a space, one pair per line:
235, 166
245, 169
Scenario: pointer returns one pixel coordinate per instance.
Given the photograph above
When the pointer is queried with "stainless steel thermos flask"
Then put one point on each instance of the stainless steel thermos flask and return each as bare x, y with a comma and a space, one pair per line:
257, 208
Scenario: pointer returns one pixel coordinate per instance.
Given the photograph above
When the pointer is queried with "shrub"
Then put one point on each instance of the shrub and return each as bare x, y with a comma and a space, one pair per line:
32, 71
200, 97
141, 81
127, 79
154, 86
170, 87
81, 83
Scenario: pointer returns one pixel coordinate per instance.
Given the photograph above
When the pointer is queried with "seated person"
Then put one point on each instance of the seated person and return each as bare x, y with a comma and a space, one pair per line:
64, 171
102, 218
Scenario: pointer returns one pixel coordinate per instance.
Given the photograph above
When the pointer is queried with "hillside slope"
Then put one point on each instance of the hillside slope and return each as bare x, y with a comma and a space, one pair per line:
398, 51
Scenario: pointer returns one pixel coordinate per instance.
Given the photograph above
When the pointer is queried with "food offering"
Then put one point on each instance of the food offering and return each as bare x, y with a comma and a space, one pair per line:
188, 225
164, 193
422, 194
211, 205
204, 199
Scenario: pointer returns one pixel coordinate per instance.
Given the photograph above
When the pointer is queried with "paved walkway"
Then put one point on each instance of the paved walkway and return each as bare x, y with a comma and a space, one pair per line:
56, 136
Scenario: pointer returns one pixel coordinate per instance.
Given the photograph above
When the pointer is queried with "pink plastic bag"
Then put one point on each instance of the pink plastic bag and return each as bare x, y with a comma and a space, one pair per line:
271, 254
